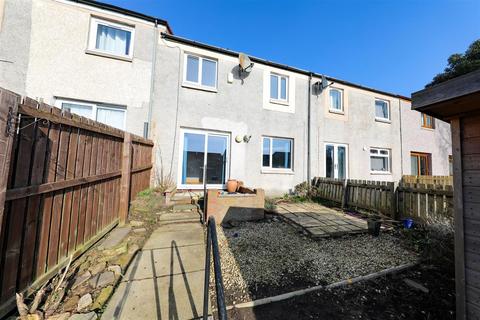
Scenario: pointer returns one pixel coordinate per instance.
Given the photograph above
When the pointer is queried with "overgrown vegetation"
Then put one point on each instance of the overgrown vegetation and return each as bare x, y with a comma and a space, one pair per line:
270, 204
148, 200
459, 64
434, 242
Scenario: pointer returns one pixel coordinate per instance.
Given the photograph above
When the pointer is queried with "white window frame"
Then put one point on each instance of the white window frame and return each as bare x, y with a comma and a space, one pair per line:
335, 158
279, 88
270, 169
388, 156
95, 107
180, 163
199, 84
388, 119
330, 107
92, 37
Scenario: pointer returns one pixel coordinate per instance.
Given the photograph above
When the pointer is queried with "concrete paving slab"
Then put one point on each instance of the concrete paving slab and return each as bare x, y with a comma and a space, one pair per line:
176, 297
162, 262
162, 239
114, 238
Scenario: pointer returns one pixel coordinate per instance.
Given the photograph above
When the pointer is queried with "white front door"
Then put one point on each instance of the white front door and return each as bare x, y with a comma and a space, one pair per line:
336, 161
199, 149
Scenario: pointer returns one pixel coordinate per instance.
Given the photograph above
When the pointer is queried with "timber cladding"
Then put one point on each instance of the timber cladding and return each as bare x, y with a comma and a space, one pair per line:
62, 180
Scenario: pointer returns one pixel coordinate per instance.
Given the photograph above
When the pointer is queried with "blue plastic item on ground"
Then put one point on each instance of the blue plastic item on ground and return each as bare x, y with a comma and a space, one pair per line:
408, 223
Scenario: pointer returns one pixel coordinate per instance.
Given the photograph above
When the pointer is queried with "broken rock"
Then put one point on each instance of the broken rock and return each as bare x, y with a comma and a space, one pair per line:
102, 280
140, 230
116, 269
81, 279
71, 303
61, 316
97, 268
135, 223
84, 316
415, 285
84, 302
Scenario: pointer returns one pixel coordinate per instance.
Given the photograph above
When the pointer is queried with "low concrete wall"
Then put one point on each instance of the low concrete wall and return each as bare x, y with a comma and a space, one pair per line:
236, 206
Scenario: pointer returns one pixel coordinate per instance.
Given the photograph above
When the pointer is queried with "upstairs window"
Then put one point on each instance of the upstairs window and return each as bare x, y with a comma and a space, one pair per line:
336, 100
428, 121
379, 160
108, 114
382, 110
200, 71
278, 87
111, 38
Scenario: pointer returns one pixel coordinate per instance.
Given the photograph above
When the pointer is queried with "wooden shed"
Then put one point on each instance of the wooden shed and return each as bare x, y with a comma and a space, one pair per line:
458, 101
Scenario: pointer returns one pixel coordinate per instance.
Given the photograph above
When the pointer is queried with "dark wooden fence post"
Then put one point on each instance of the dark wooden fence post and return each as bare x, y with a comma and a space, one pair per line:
8, 116
393, 200
345, 194
126, 177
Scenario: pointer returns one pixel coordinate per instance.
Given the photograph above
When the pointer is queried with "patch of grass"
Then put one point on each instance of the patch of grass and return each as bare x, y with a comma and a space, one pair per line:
270, 204
146, 193
295, 198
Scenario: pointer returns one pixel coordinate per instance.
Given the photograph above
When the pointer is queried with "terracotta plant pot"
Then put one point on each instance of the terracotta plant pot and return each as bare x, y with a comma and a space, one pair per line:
232, 185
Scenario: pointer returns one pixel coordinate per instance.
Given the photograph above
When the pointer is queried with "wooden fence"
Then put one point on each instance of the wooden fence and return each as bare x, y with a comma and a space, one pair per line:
65, 182
375, 196
425, 202
435, 180
422, 202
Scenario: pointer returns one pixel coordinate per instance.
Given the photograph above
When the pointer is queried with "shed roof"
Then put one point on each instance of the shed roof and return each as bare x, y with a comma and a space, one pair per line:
451, 98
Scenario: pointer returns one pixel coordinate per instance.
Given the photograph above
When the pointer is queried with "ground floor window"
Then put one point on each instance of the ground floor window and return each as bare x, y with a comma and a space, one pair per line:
379, 160
111, 115
420, 163
203, 149
277, 153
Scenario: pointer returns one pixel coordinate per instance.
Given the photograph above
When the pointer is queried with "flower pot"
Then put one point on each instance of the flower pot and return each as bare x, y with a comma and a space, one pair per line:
374, 227
232, 185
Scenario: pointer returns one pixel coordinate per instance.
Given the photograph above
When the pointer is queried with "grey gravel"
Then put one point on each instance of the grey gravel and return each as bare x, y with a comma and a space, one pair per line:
269, 253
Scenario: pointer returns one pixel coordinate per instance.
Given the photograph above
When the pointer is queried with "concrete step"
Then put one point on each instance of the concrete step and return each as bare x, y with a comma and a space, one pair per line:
184, 207
180, 217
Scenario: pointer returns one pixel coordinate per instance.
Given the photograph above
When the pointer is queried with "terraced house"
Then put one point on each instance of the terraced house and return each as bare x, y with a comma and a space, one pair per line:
271, 127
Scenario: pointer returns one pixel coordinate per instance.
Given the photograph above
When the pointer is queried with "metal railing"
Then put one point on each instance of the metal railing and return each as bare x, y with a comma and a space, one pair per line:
212, 243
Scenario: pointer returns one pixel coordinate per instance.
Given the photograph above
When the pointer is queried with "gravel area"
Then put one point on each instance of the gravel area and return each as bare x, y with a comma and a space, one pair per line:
261, 259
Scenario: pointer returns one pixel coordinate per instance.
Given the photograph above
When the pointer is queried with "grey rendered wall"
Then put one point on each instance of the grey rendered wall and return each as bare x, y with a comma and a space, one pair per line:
436, 141
60, 67
358, 129
236, 108
15, 26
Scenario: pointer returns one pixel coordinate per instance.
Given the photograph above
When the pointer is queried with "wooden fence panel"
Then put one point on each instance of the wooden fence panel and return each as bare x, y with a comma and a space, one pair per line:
425, 203
59, 189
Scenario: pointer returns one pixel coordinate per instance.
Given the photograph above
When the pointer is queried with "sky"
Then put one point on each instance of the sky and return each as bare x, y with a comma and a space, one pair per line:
392, 45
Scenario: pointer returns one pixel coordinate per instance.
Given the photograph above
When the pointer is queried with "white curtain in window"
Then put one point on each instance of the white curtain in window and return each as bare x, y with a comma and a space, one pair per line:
111, 117
113, 40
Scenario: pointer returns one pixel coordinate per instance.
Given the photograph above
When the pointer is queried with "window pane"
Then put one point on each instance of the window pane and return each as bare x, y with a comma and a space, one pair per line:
266, 152
329, 161
283, 88
335, 99
379, 163
216, 159
78, 109
384, 152
273, 87
113, 40
342, 172
193, 158
281, 157
112, 117
414, 165
209, 73
381, 109
192, 68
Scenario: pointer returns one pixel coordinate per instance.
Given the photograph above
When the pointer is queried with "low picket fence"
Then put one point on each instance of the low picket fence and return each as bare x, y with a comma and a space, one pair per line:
422, 202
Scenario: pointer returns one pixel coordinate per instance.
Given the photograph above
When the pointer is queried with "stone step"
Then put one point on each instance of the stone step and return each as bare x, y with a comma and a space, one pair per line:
182, 216
184, 207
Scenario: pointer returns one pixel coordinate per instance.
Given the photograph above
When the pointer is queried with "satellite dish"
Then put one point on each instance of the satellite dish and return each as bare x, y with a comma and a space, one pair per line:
321, 85
244, 63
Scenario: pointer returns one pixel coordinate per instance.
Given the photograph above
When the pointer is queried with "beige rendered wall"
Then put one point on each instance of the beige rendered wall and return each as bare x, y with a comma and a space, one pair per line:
435, 141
